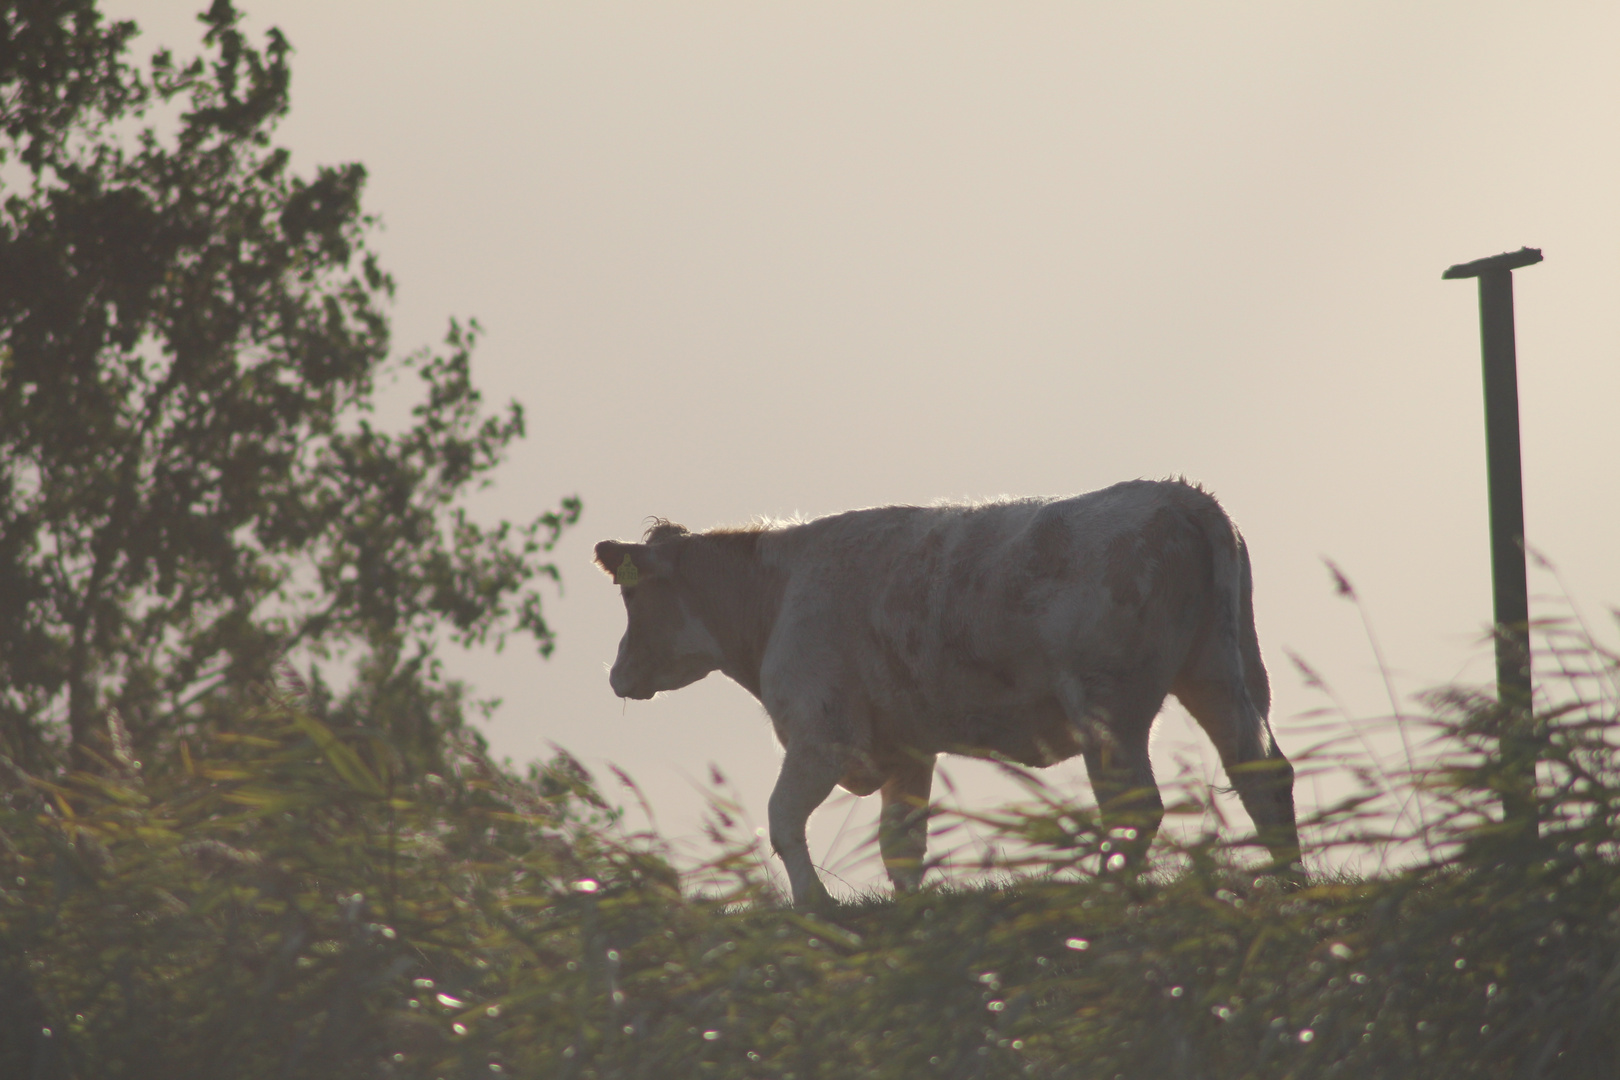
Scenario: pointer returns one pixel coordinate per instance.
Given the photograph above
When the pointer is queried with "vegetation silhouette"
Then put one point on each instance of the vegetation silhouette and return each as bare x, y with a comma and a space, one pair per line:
288, 898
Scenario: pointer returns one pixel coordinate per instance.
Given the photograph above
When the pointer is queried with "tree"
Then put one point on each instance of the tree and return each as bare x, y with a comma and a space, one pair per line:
193, 484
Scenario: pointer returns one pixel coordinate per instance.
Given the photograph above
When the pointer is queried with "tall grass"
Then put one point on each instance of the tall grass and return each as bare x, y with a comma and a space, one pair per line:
290, 900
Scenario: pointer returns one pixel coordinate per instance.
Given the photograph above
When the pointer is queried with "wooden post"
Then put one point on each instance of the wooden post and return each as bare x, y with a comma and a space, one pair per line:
1502, 463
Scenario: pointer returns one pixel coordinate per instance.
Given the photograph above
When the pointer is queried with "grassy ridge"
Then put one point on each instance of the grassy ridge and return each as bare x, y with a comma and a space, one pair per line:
290, 900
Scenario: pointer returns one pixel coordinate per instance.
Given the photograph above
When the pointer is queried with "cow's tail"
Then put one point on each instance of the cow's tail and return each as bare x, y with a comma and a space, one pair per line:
1234, 591
1254, 669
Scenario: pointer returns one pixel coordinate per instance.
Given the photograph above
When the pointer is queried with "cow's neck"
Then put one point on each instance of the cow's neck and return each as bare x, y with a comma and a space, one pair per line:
735, 596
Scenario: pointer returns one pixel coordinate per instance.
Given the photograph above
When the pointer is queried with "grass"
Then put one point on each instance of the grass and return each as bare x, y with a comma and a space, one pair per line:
290, 899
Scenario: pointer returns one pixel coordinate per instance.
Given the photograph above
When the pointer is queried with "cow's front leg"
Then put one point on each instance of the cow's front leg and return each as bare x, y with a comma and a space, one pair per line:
903, 826
808, 775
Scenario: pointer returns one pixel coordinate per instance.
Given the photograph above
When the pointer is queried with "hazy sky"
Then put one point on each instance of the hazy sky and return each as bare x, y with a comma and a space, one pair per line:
774, 259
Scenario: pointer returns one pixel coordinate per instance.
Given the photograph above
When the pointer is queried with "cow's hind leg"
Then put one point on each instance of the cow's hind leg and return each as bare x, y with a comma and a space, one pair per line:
903, 826
1264, 779
807, 778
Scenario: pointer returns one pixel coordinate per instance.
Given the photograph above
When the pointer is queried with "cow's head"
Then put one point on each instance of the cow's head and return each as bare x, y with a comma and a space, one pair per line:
666, 646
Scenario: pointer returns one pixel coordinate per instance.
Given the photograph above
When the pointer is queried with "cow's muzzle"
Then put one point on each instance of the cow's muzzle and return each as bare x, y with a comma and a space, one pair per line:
622, 687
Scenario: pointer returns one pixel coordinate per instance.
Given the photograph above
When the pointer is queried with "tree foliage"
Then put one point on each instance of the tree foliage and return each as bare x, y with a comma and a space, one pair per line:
193, 481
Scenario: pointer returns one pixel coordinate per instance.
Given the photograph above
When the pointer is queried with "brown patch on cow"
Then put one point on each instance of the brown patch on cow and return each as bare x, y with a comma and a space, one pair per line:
1134, 559
1051, 544
901, 664
1122, 568
958, 642
731, 591
906, 594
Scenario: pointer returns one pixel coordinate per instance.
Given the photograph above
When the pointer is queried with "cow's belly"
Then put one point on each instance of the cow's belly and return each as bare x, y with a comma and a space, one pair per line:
1030, 733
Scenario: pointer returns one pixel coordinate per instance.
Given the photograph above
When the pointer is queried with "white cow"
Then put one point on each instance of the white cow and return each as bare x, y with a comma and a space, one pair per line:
1036, 628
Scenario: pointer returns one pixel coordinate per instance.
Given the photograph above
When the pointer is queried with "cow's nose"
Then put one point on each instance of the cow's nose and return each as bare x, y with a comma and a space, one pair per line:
620, 682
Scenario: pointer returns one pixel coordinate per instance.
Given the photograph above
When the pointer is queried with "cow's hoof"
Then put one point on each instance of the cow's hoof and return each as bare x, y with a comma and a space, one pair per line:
1290, 876
816, 901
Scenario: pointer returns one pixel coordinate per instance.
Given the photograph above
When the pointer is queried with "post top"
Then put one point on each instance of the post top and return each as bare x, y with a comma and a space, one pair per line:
1508, 260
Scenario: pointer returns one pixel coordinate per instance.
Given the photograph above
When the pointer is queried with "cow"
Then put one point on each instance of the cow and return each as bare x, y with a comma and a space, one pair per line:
1033, 629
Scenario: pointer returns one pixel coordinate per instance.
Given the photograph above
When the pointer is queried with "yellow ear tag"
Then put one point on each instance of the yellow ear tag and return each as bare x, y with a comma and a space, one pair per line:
626, 574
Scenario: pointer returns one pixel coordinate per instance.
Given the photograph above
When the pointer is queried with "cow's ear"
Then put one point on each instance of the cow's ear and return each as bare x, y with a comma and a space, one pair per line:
621, 561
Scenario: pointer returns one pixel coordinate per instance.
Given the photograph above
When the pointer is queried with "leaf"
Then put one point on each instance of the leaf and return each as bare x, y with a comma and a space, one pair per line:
341, 756
265, 800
